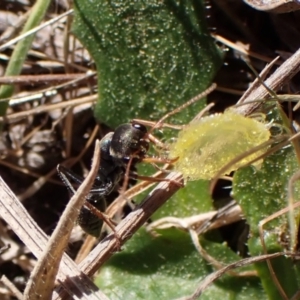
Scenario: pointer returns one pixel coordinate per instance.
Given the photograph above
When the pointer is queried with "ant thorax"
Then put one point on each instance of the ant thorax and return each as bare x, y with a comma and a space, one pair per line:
109, 172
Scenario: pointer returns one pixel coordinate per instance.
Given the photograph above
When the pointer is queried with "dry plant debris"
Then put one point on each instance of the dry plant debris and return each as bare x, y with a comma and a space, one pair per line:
50, 120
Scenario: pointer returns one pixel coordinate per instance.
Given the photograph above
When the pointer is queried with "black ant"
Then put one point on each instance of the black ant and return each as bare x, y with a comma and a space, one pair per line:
129, 143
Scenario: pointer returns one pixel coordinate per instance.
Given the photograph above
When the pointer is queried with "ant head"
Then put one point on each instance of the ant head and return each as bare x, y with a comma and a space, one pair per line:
129, 141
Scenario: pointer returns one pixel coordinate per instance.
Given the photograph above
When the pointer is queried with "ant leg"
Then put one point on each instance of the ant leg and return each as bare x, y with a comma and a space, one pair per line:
164, 170
190, 102
135, 190
64, 173
153, 123
160, 123
203, 112
157, 142
151, 178
159, 160
154, 179
102, 190
105, 219
172, 126
67, 174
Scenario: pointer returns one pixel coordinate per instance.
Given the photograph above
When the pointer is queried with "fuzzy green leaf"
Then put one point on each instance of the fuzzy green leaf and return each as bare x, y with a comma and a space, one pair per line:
150, 55
260, 194
168, 267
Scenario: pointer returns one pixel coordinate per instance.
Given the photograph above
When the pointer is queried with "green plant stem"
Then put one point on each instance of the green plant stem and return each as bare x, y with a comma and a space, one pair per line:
19, 54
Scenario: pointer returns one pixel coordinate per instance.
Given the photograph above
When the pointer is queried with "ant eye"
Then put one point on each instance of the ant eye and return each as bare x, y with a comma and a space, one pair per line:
140, 127
126, 159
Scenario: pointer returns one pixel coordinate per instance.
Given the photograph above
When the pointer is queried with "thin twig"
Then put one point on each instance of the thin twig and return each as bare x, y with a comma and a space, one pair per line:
42, 279
13, 212
35, 30
49, 107
11, 287
217, 274
280, 77
43, 78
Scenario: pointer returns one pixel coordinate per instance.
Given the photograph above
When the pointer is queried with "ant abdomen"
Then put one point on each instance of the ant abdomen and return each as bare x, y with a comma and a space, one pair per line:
87, 220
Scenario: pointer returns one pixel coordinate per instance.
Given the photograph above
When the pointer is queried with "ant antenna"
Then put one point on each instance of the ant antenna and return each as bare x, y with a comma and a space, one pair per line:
190, 102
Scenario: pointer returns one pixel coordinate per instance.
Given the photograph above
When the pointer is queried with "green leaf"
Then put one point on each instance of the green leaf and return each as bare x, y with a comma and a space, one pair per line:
193, 199
151, 56
167, 267
260, 194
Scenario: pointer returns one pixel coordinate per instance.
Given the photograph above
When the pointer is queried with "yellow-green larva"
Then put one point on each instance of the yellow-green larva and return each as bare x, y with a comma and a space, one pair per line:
206, 145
